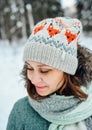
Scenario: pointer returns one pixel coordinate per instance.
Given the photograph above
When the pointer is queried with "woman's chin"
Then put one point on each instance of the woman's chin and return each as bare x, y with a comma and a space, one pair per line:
42, 93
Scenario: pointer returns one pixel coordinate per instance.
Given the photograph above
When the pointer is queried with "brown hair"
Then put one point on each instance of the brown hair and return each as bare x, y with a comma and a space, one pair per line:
71, 84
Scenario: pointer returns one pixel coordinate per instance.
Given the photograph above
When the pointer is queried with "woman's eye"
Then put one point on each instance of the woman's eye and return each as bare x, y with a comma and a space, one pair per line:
44, 71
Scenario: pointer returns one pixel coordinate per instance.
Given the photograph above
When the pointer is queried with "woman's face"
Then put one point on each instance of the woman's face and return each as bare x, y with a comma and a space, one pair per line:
45, 78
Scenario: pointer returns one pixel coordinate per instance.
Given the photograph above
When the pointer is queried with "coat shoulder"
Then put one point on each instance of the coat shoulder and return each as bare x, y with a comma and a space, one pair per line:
23, 116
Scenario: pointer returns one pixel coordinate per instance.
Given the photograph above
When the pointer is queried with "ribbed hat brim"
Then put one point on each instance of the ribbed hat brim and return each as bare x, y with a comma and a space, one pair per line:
51, 56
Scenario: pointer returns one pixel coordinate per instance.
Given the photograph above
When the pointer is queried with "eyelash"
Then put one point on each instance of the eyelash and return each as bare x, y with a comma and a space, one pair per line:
40, 70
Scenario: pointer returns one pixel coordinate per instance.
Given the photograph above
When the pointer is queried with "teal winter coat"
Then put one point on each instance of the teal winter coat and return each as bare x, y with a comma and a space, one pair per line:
24, 117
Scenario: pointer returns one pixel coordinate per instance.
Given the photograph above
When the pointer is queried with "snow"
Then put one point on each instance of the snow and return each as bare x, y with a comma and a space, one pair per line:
19, 24
11, 84
86, 41
14, 8
29, 7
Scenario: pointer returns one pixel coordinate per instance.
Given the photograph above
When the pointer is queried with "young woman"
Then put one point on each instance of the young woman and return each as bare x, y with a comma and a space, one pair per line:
57, 73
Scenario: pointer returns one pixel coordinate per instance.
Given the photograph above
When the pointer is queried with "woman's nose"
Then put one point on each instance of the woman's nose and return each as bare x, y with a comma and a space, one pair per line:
36, 78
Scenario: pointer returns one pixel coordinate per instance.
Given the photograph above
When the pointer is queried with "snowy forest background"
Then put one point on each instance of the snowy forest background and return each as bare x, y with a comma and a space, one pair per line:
17, 18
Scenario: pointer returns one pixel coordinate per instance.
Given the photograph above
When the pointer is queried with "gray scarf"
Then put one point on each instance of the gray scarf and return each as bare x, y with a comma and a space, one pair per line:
64, 112
55, 104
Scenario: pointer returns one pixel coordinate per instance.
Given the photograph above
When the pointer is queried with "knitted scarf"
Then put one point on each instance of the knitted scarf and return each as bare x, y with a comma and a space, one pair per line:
64, 113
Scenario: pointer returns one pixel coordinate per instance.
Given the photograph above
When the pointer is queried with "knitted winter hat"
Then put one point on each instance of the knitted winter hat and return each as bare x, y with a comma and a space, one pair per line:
54, 42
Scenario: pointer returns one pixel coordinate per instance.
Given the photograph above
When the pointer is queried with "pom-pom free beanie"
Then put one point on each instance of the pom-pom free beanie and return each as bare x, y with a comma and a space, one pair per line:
54, 42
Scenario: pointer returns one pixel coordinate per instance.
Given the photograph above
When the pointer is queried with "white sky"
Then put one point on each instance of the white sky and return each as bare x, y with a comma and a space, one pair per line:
67, 3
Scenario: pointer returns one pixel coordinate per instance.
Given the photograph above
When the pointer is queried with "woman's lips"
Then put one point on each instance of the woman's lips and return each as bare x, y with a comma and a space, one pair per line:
40, 87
